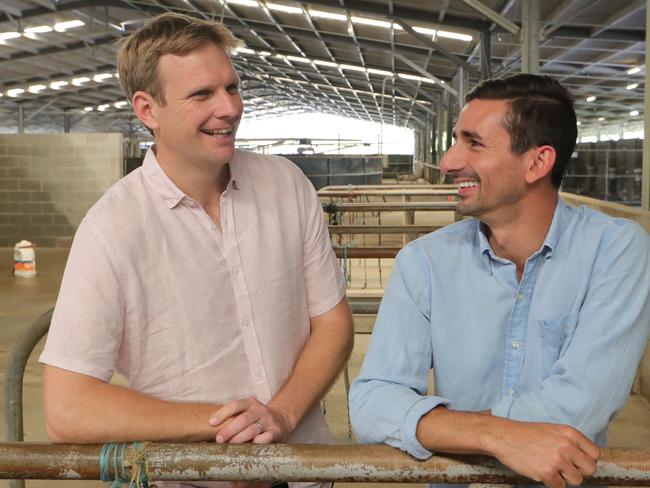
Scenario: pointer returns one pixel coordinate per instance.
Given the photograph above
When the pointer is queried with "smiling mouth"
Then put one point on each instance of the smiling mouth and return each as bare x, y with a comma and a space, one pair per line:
217, 132
468, 184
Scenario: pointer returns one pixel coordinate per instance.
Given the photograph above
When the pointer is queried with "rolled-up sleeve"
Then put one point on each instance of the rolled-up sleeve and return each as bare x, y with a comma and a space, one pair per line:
389, 397
591, 380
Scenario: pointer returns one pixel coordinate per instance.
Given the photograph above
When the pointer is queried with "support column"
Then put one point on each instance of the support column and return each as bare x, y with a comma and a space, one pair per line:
530, 36
485, 54
66, 121
21, 118
645, 172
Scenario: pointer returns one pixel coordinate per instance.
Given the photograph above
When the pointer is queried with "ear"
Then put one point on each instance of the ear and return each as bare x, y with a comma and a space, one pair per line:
145, 107
541, 162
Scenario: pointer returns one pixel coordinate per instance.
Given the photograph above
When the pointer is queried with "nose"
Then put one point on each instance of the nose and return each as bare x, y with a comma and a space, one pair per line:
228, 105
453, 160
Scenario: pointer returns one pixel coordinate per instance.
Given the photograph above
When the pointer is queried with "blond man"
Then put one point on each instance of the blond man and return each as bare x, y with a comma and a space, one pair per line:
205, 277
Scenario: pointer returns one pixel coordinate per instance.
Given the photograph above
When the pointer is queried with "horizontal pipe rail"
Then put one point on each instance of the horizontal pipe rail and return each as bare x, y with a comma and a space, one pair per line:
388, 206
403, 192
281, 462
366, 252
389, 186
382, 229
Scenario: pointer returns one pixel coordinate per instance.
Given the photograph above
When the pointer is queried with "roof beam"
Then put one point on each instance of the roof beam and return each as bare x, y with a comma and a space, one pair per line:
494, 16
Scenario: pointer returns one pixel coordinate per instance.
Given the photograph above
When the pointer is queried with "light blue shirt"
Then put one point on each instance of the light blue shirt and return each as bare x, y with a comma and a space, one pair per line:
561, 346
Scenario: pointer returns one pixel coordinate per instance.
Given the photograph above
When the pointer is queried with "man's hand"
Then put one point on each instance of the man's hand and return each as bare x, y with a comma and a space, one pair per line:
250, 420
556, 455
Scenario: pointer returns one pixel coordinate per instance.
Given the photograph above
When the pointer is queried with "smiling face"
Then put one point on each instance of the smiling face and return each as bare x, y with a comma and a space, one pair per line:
202, 108
491, 178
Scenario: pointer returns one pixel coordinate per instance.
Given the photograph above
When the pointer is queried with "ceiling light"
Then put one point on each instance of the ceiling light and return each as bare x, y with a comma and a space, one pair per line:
633, 71
284, 8
245, 3
103, 107
326, 15
56, 85
245, 50
373, 22
80, 81
263, 53
632, 86
69, 24
380, 72
352, 67
14, 92
41, 29
120, 104
88, 109
299, 59
455, 35
325, 63
425, 30
101, 77
591, 98
116, 75
634, 113
36, 88
600, 119
578, 123
5, 36
408, 77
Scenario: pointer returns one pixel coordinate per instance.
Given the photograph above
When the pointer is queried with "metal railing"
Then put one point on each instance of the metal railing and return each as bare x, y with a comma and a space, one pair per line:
282, 462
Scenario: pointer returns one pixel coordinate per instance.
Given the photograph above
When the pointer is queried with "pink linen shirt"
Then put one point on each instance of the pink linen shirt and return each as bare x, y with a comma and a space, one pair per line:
189, 311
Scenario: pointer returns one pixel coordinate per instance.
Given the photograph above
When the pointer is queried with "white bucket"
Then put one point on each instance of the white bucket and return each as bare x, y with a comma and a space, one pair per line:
24, 259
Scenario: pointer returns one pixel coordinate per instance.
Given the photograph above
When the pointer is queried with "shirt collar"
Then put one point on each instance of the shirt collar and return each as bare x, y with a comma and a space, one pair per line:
561, 218
171, 194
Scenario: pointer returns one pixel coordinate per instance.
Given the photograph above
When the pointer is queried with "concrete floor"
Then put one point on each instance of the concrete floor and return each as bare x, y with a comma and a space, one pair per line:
22, 300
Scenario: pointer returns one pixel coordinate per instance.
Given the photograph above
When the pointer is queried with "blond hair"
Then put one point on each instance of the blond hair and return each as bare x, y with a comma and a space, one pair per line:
169, 33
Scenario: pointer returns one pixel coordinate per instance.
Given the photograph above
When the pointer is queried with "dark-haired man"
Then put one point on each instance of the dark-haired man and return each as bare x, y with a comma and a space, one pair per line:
533, 314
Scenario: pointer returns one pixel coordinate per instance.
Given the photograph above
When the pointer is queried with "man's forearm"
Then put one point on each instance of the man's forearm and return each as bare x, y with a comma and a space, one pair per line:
82, 409
321, 360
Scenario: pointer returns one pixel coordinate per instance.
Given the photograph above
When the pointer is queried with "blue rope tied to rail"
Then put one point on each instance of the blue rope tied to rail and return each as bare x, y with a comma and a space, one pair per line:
115, 454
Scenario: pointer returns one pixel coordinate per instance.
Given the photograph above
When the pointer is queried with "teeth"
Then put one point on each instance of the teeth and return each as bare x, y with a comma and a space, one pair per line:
213, 132
467, 184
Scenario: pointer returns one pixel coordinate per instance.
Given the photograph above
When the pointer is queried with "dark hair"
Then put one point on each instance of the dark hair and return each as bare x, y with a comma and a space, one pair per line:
541, 113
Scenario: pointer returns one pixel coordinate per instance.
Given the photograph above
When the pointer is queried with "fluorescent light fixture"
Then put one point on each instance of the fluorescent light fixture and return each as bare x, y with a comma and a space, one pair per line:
5, 36
633, 71
600, 119
329, 64
88, 109
372, 22
408, 77
263, 53
245, 50
69, 24
36, 88
103, 107
379, 72
634, 113
116, 74
245, 3
632, 86
455, 35
591, 98
41, 29
14, 92
351, 67
279, 56
284, 8
298, 59
578, 123
57, 85
326, 15
120, 104
80, 80
426, 31
101, 77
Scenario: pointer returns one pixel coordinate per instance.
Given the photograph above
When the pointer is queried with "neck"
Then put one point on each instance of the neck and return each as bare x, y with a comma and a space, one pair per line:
521, 231
201, 181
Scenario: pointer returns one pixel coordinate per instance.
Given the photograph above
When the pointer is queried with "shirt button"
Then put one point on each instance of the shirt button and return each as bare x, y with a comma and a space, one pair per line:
520, 297
511, 392
515, 344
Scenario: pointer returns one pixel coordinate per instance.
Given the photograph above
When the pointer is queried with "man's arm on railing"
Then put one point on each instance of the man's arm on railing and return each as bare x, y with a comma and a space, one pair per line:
83, 409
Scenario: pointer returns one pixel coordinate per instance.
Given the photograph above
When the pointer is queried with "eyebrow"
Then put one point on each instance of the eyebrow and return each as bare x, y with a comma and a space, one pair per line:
469, 134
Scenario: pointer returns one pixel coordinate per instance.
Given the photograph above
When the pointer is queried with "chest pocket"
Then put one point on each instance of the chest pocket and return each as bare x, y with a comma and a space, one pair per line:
555, 336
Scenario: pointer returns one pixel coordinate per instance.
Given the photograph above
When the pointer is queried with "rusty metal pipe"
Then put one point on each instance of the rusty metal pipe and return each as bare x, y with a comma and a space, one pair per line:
366, 252
277, 462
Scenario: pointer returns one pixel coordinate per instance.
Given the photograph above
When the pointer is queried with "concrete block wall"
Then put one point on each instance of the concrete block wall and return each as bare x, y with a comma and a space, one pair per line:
49, 181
